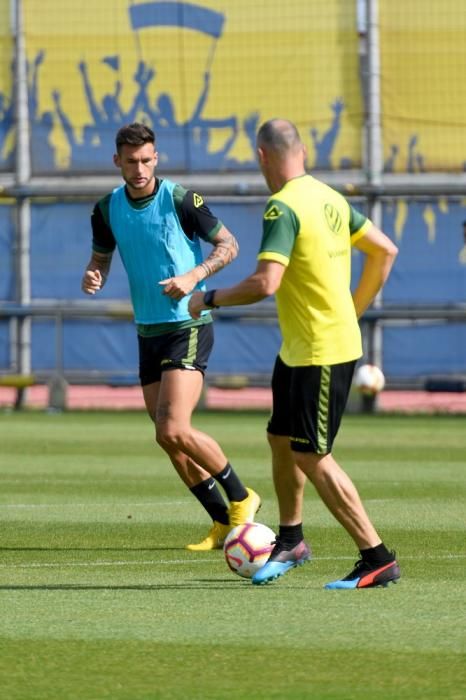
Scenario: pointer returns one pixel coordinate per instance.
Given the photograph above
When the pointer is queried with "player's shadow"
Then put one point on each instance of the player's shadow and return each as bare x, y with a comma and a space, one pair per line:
206, 584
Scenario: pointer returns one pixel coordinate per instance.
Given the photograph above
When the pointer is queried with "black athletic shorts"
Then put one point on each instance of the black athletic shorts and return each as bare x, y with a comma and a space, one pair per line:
308, 404
186, 348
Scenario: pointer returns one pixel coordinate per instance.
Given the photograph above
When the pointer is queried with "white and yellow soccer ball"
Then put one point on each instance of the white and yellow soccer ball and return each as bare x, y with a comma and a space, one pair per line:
247, 547
369, 379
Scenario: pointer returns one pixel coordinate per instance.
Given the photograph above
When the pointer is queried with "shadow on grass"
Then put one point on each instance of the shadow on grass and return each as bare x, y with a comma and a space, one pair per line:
196, 584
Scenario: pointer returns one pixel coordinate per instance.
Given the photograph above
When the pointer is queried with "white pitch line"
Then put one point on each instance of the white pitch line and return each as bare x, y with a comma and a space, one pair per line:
158, 562
106, 563
152, 504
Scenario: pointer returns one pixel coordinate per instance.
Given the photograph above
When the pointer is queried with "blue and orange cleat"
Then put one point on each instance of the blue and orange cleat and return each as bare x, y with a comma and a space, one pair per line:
282, 560
365, 575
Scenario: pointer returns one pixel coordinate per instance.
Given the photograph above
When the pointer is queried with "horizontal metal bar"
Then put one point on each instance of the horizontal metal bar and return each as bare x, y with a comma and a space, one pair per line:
243, 185
264, 311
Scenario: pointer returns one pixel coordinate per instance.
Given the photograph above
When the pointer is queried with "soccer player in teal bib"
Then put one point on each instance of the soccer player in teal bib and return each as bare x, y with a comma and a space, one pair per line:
305, 260
157, 225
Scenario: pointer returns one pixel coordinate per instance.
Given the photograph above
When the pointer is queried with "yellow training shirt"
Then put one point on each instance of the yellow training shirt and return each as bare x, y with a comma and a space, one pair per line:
309, 228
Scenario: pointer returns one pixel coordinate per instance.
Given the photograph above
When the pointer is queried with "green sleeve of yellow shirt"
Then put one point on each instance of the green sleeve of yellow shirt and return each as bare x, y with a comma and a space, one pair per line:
280, 226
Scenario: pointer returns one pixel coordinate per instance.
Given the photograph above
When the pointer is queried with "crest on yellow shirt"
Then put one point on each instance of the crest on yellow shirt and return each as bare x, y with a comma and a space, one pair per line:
272, 213
333, 218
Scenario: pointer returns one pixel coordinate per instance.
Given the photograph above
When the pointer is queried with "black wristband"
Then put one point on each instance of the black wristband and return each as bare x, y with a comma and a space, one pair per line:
209, 299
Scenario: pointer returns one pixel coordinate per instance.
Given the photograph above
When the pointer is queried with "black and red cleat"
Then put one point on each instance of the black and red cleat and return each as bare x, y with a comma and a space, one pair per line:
365, 575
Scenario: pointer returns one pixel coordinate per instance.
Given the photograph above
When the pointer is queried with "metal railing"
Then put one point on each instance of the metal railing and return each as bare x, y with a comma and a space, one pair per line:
60, 311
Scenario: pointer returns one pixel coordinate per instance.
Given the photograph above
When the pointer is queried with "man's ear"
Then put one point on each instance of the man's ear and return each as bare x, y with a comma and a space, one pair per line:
261, 155
116, 160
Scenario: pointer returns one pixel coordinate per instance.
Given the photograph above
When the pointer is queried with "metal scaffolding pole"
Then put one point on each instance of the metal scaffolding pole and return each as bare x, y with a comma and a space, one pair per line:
22, 177
369, 56
374, 148
374, 106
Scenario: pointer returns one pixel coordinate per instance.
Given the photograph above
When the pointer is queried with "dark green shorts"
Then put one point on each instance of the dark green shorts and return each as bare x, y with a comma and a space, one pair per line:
308, 404
185, 348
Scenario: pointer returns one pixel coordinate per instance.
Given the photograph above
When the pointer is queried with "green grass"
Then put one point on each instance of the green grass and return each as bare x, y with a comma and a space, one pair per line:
99, 599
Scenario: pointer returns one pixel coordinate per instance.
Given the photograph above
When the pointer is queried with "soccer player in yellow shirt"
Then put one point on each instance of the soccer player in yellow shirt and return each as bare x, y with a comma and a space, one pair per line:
305, 260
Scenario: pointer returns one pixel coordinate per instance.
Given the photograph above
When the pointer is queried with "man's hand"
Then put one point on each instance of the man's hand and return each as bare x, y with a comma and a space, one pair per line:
196, 304
92, 281
177, 287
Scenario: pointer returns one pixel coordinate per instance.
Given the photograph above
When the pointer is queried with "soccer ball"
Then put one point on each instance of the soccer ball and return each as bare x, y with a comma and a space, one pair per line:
369, 379
247, 547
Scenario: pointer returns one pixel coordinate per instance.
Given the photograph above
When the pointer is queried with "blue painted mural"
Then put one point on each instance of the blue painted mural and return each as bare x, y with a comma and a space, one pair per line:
430, 269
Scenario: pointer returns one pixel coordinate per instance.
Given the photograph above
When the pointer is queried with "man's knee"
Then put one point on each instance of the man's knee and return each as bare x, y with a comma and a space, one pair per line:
169, 436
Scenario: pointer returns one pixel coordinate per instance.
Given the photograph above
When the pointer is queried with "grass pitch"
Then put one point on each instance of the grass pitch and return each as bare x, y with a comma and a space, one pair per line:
99, 599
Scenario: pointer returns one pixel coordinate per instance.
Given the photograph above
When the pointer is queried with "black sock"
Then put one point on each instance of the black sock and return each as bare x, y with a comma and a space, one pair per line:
234, 489
208, 493
377, 555
290, 535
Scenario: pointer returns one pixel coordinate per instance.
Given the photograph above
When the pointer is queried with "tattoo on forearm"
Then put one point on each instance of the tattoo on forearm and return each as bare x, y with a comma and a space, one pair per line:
205, 268
224, 252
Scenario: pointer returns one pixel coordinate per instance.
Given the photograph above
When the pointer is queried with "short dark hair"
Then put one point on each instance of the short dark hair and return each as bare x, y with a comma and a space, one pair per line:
135, 134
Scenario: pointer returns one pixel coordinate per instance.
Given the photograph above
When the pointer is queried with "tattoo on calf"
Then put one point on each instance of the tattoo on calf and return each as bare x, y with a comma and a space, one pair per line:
163, 412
